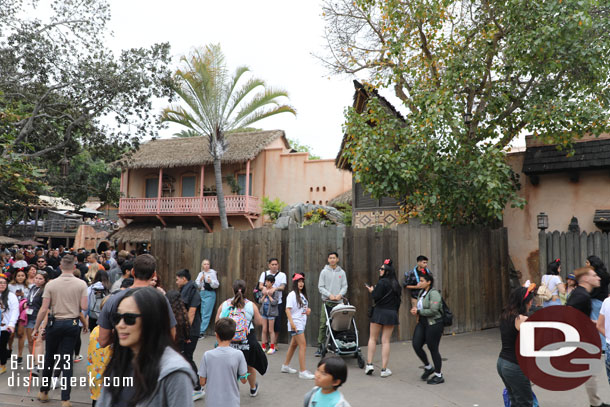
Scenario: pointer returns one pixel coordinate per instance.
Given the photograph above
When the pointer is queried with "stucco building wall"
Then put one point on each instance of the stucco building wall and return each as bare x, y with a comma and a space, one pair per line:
560, 199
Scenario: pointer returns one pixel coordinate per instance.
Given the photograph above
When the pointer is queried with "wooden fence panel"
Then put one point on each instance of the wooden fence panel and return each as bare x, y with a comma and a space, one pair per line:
469, 265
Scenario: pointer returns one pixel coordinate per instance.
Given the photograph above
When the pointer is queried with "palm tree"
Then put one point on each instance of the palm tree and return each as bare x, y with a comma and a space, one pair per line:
217, 103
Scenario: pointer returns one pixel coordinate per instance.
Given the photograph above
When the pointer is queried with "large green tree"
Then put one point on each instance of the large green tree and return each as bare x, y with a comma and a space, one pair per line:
71, 92
215, 102
472, 75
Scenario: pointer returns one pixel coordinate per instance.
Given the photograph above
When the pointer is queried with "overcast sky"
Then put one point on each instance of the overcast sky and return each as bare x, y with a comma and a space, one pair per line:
274, 38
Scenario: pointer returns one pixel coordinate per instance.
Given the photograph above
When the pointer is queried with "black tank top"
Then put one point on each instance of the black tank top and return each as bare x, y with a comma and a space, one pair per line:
509, 337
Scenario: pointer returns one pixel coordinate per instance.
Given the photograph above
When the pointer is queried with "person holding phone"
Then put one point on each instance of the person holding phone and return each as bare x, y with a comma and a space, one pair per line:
386, 296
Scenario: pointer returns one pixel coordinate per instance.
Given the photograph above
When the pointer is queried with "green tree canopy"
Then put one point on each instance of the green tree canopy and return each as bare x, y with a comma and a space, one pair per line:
302, 148
215, 102
63, 90
473, 75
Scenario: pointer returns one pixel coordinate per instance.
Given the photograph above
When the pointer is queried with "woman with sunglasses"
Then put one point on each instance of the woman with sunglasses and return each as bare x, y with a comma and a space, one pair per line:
144, 350
514, 314
386, 295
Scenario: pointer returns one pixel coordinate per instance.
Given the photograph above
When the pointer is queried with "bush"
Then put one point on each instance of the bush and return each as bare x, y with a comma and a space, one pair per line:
272, 208
317, 216
346, 209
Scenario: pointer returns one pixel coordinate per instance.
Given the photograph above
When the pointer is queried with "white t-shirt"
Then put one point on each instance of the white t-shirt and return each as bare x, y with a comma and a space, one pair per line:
551, 281
299, 314
605, 311
280, 278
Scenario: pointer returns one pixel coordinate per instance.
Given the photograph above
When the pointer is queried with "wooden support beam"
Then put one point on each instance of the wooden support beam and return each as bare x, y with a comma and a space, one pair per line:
159, 191
248, 186
205, 223
249, 220
162, 220
201, 181
127, 183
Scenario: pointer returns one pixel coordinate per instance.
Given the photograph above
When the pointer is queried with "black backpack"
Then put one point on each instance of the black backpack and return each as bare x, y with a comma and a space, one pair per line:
447, 314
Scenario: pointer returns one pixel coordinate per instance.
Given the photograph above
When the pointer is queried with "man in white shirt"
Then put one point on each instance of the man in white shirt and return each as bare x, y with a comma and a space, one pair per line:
279, 285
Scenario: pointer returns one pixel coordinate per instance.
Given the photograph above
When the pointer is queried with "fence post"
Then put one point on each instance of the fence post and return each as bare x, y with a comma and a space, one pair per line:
542, 252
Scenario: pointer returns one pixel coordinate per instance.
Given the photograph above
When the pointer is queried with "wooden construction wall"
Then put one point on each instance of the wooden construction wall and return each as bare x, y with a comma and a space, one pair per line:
470, 265
572, 249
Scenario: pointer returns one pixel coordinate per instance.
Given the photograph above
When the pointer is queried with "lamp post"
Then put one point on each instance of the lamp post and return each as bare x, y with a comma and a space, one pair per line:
543, 221
467, 118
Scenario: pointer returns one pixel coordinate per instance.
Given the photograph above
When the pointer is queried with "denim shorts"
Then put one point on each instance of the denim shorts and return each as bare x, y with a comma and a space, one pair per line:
294, 333
267, 318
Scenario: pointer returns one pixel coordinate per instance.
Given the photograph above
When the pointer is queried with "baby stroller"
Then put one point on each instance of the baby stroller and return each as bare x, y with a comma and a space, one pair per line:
341, 332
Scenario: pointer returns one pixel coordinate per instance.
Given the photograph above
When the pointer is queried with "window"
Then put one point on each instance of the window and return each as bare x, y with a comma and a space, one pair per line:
241, 180
188, 185
310, 189
152, 187
324, 189
317, 189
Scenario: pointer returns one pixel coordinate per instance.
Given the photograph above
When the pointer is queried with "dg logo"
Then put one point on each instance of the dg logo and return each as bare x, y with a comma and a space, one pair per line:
558, 348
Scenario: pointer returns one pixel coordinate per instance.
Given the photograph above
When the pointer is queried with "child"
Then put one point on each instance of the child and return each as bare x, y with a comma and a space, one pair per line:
221, 368
97, 360
331, 374
269, 310
297, 312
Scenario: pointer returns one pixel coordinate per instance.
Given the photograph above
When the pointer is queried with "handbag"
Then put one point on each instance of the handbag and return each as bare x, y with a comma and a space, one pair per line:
372, 307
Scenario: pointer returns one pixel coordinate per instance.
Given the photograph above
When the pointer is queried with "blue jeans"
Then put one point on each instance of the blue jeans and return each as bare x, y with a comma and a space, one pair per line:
518, 385
596, 306
208, 299
550, 303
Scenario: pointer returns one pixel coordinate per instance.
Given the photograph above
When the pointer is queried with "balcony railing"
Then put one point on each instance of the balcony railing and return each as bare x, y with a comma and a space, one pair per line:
206, 206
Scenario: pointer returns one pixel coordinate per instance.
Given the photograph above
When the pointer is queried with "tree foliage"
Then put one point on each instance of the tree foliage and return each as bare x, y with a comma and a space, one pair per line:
71, 91
472, 75
216, 102
302, 148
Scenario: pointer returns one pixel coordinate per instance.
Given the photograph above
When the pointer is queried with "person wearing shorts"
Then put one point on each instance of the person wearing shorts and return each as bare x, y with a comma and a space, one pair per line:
269, 312
297, 310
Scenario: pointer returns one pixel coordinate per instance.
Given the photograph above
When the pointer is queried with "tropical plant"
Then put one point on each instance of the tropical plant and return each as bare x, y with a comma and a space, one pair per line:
272, 208
216, 103
317, 216
302, 148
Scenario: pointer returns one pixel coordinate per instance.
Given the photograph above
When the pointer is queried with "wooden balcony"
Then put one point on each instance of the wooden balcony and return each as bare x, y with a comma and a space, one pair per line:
206, 206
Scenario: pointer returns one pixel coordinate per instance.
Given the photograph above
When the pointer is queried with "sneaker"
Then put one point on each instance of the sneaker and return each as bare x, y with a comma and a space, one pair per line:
288, 369
3, 369
369, 369
43, 397
264, 346
436, 380
306, 374
318, 352
78, 358
66, 403
427, 372
386, 372
19, 360
35, 372
201, 336
254, 391
198, 394
271, 351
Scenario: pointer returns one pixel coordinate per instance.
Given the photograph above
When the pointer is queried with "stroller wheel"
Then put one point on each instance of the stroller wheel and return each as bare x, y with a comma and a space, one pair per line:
360, 361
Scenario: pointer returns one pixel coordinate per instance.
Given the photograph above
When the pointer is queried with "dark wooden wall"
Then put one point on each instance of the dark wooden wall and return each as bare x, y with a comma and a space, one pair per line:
470, 265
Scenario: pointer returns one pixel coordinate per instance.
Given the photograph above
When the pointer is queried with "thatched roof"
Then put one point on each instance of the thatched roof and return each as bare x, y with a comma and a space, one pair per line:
190, 151
7, 240
134, 233
344, 198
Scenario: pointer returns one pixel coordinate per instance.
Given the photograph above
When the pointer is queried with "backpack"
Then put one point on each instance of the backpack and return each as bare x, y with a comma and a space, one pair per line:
544, 293
95, 302
447, 314
239, 316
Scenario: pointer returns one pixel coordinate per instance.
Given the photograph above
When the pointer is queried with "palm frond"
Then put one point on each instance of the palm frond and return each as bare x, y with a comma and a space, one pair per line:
264, 113
260, 101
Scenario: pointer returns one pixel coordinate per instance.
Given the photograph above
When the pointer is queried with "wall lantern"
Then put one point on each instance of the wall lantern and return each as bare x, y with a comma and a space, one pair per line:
543, 221
467, 118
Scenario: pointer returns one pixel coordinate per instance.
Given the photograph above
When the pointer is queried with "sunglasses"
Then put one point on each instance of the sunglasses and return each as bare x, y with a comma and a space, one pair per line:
130, 319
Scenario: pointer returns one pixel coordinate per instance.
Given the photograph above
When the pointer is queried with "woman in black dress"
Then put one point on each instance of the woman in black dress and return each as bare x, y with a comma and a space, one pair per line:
386, 295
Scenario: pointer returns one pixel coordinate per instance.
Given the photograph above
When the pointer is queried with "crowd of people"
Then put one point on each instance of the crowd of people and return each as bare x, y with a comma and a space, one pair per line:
586, 290
140, 331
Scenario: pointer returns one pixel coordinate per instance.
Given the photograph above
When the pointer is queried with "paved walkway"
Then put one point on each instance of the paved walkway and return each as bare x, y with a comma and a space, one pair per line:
469, 369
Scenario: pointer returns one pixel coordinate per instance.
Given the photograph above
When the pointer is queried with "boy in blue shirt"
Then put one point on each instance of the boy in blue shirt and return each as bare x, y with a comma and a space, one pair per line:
331, 374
